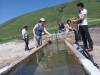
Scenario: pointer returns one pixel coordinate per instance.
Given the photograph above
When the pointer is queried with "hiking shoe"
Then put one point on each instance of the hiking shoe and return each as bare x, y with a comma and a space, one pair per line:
27, 49
90, 49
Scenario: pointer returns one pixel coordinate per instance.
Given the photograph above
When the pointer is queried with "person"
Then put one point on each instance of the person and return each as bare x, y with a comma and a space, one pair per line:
69, 29
77, 26
68, 26
37, 31
60, 26
25, 37
83, 27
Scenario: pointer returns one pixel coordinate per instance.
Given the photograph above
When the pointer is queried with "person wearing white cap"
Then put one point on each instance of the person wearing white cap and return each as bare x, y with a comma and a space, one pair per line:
37, 31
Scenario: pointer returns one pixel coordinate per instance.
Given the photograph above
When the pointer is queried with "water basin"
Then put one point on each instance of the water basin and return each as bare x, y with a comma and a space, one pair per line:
53, 59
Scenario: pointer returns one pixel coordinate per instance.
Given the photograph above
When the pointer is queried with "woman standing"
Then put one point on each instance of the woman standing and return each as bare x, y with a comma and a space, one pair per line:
37, 31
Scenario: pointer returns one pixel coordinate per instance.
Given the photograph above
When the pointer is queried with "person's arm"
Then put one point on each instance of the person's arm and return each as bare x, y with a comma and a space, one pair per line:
35, 29
83, 15
78, 19
63, 27
23, 36
46, 31
68, 26
23, 33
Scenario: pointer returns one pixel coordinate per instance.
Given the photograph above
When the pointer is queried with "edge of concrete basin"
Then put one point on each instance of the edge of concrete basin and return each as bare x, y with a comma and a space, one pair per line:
17, 63
87, 64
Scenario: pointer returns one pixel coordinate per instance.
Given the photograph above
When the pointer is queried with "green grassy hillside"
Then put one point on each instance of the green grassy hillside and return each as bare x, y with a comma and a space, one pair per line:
12, 28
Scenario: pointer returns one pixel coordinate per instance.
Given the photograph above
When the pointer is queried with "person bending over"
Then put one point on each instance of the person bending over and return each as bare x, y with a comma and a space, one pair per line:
37, 31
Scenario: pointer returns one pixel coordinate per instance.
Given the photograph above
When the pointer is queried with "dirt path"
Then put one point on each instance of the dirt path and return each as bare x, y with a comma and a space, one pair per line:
95, 34
12, 51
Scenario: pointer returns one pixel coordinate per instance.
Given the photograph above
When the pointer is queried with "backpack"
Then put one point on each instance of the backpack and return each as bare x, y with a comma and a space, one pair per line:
85, 53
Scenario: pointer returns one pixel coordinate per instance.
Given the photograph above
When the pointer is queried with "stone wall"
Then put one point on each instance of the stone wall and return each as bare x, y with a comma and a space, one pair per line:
69, 36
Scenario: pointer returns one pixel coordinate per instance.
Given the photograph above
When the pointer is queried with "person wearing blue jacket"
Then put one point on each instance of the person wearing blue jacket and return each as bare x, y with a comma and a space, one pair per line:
60, 26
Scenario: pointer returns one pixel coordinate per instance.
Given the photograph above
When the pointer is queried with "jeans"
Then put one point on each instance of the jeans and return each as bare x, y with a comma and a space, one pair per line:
86, 36
26, 43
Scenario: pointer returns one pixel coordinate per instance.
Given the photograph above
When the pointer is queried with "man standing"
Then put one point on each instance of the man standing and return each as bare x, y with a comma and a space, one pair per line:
25, 37
83, 27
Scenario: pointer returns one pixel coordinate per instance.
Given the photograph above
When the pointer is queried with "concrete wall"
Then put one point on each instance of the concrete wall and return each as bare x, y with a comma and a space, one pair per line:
70, 40
15, 64
69, 36
87, 64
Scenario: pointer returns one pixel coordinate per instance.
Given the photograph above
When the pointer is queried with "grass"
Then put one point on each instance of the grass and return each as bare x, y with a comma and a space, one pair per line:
12, 28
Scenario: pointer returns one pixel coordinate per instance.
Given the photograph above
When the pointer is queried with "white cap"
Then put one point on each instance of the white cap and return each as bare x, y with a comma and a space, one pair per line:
42, 19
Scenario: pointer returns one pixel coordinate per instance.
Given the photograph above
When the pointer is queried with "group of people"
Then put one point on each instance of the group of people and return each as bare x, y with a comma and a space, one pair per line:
68, 28
80, 21
37, 31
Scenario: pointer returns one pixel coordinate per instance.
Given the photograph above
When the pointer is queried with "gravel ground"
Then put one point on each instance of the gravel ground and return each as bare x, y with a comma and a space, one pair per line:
13, 51
95, 34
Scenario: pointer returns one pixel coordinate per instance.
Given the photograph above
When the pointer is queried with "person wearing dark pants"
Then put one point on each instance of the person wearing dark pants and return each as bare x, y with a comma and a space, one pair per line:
86, 36
26, 43
25, 37
83, 27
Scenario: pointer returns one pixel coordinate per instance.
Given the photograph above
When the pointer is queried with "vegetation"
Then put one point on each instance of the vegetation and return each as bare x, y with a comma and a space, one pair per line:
12, 28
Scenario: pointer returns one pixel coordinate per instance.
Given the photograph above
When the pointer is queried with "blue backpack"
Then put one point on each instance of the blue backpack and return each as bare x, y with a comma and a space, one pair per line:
78, 47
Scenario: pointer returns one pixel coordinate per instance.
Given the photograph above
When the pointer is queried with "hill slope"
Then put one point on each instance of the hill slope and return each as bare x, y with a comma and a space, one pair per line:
12, 28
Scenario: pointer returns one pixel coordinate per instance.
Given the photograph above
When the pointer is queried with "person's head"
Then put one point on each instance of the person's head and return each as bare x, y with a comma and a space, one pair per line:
68, 21
59, 22
42, 21
80, 6
25, 27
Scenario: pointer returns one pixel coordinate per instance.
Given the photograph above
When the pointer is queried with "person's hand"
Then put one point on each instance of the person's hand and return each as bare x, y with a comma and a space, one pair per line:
51, 35
73, 18
62, 29
35, 35
29, 38
74, 29
23, 38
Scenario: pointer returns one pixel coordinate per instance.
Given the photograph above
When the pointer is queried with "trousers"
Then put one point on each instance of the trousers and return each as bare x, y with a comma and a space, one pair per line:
86, 36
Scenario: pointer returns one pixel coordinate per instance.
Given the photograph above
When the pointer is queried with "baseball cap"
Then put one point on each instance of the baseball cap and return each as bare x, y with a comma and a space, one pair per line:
42, 19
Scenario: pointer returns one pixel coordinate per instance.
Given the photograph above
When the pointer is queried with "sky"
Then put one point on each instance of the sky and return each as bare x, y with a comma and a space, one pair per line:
13, 8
